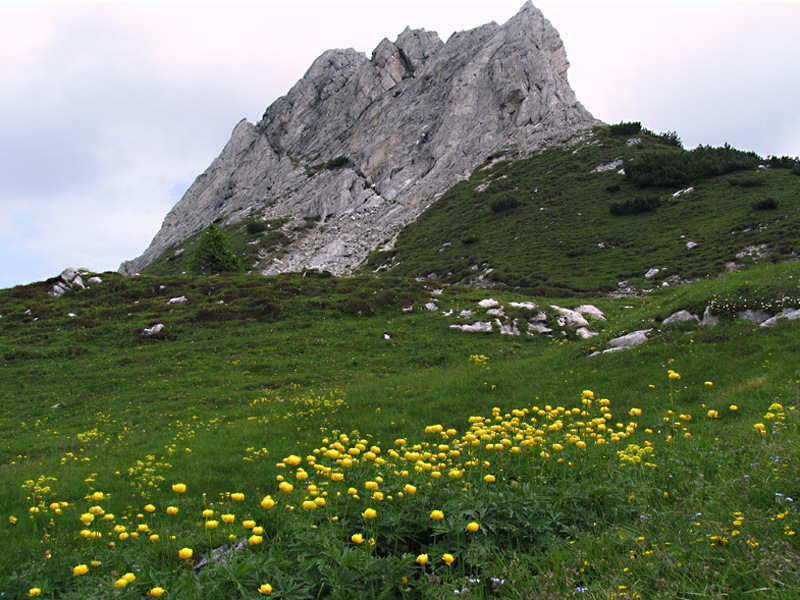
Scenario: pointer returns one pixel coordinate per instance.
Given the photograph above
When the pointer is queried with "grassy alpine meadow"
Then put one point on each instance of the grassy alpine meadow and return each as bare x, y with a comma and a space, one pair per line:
304, 437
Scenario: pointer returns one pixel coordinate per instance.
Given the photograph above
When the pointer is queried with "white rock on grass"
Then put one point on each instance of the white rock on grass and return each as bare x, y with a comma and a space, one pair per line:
508, 328
479, 326
488, 303
537, 328
570, 318
154, 329
787, 313
178, 300
680, 317
708, 319
526, 305
756, 316
585, 333
587, 310
630, 340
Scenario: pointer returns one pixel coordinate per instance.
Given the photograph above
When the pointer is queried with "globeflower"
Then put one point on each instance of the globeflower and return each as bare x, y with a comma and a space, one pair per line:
120, 583
473, 526
357, 538
185, 553
422, 559
228, 518
34, 591
265, 589
712, 414
237, 497
179, 488
255, 540
156, 592
267, 502
448, 558
172, 510
437, 515
80, 570
370, 513
149, 508
285, 487
97, 496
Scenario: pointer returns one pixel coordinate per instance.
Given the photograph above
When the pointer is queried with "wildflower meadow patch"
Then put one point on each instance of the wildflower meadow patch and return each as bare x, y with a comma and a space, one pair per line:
480, 467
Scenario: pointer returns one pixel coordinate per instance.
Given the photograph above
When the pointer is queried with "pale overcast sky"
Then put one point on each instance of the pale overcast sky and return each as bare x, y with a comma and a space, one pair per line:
109, 111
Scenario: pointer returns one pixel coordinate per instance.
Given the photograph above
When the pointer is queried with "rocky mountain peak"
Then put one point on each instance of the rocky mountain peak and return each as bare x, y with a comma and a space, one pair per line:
365, 145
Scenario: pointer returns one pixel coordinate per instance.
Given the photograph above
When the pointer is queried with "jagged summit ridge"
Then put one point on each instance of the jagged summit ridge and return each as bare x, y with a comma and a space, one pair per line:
408, 123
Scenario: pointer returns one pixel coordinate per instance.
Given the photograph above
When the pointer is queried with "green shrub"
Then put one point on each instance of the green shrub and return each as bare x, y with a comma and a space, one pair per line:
765, 204
504, 203
625, 128
256, 227
338, 163
665, 169
637, 205
213, 255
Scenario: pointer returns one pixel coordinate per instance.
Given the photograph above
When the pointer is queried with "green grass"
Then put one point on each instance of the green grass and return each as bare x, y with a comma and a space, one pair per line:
545, 223
287, 365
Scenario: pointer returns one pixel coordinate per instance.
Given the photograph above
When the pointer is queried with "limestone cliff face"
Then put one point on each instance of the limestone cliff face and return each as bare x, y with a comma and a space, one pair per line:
411, 121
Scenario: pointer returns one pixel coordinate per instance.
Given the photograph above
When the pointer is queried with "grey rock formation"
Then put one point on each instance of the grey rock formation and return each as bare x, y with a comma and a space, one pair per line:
680, 317
570, 318
756, 316
709, 320
630, 340
367, 144
787, 313
591, 311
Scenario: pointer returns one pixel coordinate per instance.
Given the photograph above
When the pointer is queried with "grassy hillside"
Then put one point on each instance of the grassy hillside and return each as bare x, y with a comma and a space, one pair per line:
567, 222
669, 470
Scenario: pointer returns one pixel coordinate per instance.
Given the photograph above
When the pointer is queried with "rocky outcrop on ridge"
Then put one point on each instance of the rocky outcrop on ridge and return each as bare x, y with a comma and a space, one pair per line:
365, 145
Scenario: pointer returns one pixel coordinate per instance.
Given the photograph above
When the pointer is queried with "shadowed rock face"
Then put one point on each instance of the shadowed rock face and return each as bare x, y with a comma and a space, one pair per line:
412, 120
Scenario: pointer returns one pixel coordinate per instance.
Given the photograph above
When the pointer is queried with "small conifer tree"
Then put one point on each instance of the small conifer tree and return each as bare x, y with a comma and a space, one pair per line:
213, 255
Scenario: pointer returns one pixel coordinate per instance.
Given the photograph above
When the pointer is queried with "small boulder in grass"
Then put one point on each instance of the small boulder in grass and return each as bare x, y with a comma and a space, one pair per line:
157, 328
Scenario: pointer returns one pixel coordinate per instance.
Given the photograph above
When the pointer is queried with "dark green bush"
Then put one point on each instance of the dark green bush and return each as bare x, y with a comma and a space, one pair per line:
625, 128
503, 204
255, 227
640, 204
784, 162
666, 169
765, 204
338, 163
213, 255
